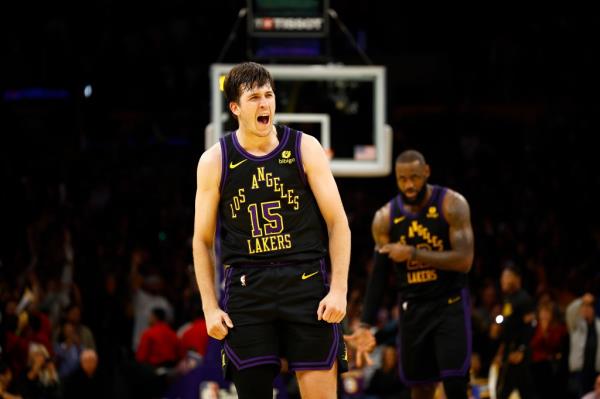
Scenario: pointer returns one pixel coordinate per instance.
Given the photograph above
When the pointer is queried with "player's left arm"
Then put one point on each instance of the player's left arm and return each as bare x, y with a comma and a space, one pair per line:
316, 166
460, 257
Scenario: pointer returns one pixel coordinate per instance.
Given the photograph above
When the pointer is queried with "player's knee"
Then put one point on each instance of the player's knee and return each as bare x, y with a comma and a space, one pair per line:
456, 387
254, 382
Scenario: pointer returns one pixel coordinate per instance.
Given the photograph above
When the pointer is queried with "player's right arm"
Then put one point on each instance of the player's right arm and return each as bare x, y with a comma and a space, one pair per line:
363, 339
208, 178
380, 229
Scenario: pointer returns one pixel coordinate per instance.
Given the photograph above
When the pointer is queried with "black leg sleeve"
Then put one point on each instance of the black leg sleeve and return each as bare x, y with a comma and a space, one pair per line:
375, 288
254, 382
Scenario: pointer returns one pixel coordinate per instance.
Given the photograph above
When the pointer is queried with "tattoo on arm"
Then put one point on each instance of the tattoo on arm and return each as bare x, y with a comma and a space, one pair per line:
461, 232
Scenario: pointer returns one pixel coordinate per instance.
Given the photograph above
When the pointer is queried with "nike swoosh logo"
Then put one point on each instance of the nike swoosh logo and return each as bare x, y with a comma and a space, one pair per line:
235, 165
305, 276
399, 219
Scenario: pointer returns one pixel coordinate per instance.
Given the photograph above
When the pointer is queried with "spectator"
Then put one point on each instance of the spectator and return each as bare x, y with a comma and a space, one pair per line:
514, 354
384, 383
84, 382
67, 350
584, 354
547, 351
40, 379
159, 345
6, 389
147, 294
85, 334
193, 335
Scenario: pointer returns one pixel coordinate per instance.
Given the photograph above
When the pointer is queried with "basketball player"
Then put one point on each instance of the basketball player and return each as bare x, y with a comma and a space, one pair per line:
426, 232
285, 246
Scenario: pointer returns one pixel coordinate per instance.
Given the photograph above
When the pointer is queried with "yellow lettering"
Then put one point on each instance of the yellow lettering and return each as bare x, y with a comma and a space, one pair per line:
254, 182
236, 203
265, 244
276, 185
269, 243
280, 242
422, 276
233, 214
269, 179
261, 173
289, 195
273, 243
283, 195
241, 195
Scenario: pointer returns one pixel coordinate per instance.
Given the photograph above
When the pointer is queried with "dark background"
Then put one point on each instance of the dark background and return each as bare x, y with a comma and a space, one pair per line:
504, 107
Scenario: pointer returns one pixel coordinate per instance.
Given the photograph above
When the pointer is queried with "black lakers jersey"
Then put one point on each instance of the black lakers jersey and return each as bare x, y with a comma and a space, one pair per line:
267, 212
426, 230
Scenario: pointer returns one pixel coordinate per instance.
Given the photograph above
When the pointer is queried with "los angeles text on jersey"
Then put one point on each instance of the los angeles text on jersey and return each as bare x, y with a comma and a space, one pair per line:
275, 183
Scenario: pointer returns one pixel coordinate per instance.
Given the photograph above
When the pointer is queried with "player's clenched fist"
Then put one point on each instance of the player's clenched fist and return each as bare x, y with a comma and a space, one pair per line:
218, 323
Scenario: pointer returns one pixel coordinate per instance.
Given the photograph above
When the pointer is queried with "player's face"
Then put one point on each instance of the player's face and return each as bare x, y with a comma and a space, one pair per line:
255, 110
412, 181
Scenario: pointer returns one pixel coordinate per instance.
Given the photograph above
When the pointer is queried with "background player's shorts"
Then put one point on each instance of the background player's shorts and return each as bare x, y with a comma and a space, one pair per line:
274, 313
435, 339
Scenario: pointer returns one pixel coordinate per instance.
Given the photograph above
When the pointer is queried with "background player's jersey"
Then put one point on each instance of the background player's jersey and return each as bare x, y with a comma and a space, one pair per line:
426, 230
267, 212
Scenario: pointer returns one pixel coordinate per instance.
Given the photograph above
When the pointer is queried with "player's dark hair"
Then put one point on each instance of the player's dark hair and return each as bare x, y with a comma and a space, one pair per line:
245, 76
409, 156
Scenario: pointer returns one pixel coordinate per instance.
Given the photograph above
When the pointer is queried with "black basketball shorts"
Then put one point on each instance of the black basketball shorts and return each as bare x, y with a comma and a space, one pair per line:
434, 339
274, 315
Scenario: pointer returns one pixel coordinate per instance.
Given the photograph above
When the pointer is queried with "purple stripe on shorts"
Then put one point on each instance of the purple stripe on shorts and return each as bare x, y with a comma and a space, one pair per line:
250, 362
406, 381
270, 155
227, 280
324, 272
444, 373
327, 363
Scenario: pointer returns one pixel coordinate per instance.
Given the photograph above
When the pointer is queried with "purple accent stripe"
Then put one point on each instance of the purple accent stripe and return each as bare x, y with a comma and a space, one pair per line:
227, 279
392, 212
299, 155
270, 155
235, 357
224, 159
324, 272
328, 363
440, 202
443, 373
406, 381
400, 207
467, 314
218, 264
413, 215
250, 362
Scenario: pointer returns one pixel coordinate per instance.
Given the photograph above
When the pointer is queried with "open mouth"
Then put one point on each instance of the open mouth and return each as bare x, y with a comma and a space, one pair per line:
263, 119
